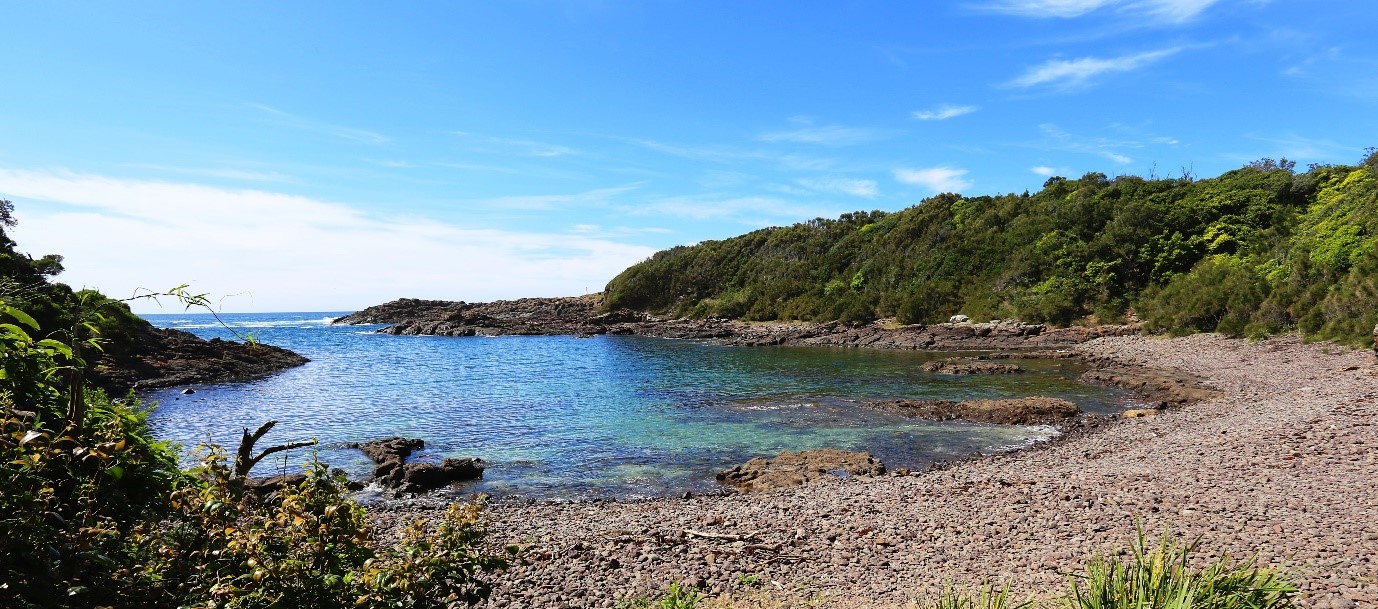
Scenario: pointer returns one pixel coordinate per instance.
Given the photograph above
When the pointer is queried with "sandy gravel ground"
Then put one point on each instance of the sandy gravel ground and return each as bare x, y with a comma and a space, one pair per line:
1284, 466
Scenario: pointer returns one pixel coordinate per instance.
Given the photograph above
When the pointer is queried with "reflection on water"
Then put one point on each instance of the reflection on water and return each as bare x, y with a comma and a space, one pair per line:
564, 417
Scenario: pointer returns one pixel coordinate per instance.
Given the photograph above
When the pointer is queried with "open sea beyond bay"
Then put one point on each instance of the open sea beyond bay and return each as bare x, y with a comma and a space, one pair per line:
560, 417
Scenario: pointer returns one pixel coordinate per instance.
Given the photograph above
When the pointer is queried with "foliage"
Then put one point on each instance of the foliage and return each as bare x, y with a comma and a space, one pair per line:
96, 513
1274, 250
1162, 578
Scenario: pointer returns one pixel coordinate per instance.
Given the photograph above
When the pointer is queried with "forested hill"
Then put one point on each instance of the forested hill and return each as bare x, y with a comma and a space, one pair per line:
1255, 251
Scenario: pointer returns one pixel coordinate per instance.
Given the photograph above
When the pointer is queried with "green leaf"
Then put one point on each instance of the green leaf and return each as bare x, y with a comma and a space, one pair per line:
116, 472
56, 345
19, 316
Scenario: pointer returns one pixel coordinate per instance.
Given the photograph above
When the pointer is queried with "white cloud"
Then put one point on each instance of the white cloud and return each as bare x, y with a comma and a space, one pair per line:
846, 186
1044, 171
936, 179
1064, 73
285, 252
1167, 11
831, 135
944, 112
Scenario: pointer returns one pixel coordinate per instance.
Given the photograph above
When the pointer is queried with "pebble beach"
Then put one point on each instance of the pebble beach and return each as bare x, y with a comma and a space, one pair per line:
1282, 467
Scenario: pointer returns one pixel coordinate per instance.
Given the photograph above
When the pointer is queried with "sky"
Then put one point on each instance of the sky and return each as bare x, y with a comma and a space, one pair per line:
327, 156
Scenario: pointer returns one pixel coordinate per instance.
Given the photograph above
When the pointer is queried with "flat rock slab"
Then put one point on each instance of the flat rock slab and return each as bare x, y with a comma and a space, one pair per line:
795, 469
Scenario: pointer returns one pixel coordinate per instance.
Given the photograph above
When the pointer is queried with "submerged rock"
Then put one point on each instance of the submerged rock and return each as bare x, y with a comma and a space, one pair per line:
1022, 411
795, 469
970, 367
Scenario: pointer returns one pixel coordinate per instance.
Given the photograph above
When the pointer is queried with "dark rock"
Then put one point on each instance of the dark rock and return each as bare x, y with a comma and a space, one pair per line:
794, 469
188, 391
390, 449
393, 471
273, 484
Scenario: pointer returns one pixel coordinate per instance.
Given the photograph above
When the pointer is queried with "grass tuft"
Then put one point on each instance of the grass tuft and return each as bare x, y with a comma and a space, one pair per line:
1161, 577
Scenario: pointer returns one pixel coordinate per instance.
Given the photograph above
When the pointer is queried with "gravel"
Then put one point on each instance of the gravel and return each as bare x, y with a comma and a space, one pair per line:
1283, 467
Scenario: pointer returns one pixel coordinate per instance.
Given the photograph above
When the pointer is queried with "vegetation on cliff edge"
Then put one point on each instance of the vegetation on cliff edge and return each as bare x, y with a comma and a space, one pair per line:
1258, 250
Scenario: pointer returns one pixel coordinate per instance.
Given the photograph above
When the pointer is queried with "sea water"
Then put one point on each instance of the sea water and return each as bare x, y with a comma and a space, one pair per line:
610, 416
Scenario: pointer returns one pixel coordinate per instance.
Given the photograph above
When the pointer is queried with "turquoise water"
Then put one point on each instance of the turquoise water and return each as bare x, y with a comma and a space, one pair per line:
565, 417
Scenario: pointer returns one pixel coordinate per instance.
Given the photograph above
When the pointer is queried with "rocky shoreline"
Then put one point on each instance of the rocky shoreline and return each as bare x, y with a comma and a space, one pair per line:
582, 316
1278, 462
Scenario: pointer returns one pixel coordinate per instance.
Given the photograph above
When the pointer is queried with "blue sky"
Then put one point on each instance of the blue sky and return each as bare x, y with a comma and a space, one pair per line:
328, 156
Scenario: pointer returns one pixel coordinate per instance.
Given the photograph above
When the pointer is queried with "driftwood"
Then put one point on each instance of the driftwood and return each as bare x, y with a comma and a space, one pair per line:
246, 460
721, 536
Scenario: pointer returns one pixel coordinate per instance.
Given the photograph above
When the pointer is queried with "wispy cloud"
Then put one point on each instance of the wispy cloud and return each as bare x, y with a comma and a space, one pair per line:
829, 135
1044, 171
1066, 74
599, 196
1308, 149
944, 112
1054, 138
935, 179
753, 210
845, 186
217, 172
516, 145
337, 131
1168, 11
733, 156
291, 253
618, 231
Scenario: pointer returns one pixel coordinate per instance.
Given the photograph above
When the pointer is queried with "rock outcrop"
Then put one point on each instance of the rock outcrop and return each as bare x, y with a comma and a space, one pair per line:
161, 357
794, 469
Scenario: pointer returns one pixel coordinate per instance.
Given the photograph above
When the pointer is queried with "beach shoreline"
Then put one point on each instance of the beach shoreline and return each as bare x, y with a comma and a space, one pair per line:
1280, 466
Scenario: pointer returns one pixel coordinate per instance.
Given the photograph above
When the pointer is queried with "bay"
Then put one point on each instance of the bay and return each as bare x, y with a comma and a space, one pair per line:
610, 416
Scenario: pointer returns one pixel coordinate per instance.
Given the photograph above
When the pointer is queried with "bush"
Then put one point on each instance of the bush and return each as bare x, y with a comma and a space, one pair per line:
232, 549
1221, 294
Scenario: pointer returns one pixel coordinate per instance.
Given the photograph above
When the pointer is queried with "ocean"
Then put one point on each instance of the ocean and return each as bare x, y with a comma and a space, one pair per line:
558, 417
